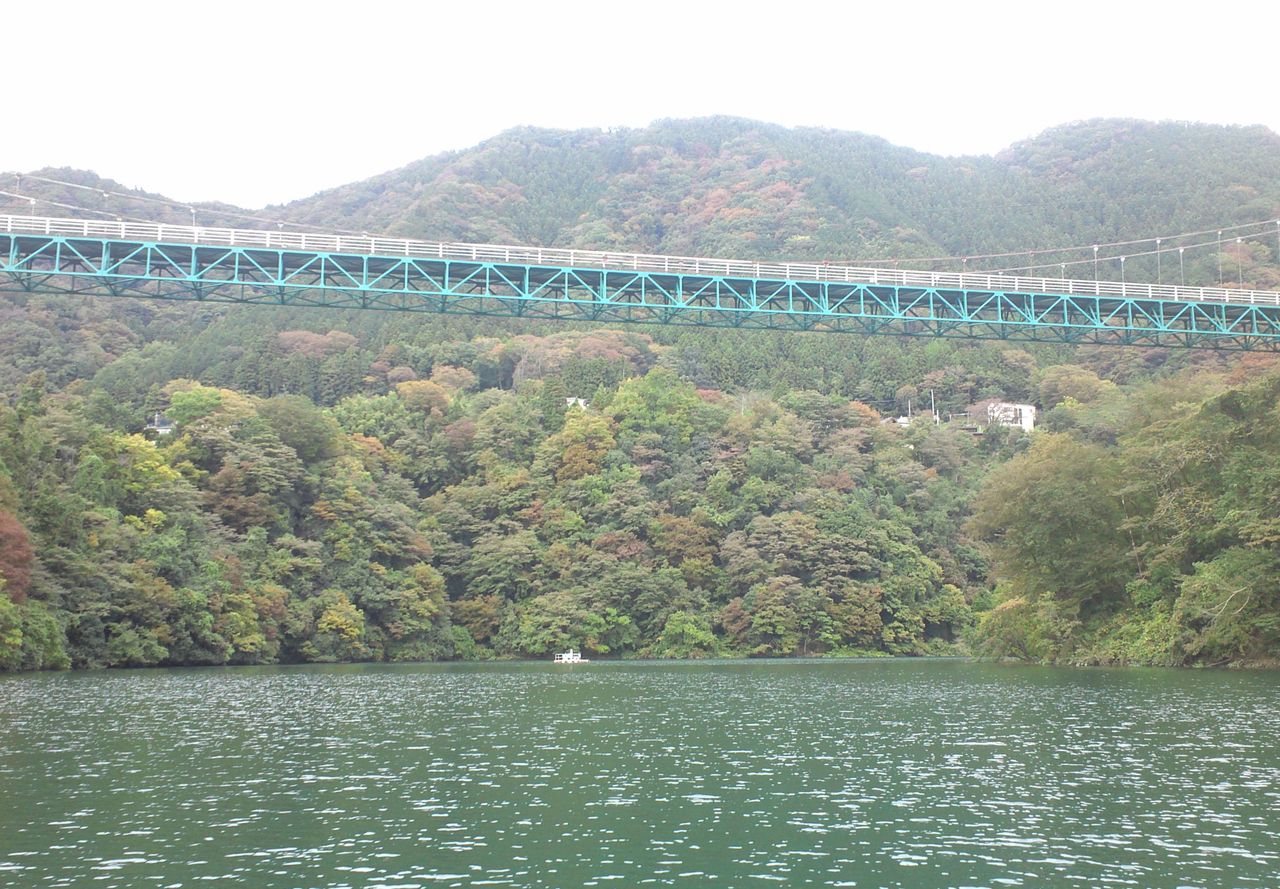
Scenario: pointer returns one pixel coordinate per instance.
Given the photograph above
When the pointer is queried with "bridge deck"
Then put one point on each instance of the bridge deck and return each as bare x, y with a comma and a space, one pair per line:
250, 266
547, 256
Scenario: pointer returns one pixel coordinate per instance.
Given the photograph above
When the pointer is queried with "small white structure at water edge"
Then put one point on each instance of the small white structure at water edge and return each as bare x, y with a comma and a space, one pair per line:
570, 657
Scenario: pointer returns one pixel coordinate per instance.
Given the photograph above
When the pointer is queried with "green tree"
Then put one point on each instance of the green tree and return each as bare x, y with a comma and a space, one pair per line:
312, 434
686, 635
1053, 516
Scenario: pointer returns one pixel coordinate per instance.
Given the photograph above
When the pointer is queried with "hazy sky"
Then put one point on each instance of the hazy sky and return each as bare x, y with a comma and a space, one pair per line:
264, 102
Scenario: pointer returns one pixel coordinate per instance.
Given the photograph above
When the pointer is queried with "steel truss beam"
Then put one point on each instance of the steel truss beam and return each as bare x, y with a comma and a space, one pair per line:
229, 274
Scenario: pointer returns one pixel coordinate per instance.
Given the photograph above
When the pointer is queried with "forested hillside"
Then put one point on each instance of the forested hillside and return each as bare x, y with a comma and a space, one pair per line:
1141, 527
347, 486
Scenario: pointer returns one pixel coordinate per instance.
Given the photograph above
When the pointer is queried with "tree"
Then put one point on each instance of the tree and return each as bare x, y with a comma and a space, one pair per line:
424, 395
1231, 606
480, 615
1054, 518
686, 635
10, 632
775, 620
312, 434
1063, 381
579, 448
192, 402
339, 629
504, 565
560, 620
15, 557
453, 379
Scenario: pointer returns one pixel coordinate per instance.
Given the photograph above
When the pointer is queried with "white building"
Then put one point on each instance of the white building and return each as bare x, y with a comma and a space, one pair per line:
1005, 413
160, 425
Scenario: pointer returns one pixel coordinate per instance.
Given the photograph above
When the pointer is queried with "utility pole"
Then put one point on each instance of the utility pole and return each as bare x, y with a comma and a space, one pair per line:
1219, 259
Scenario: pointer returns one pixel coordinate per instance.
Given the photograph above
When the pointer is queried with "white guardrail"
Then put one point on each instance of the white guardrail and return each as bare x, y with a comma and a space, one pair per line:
687, 265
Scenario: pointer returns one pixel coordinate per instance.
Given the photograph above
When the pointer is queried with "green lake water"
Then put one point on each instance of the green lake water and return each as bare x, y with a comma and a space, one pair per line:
880, 773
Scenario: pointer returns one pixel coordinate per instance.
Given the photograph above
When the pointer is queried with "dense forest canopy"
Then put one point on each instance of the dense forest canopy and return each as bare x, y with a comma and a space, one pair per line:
346, 486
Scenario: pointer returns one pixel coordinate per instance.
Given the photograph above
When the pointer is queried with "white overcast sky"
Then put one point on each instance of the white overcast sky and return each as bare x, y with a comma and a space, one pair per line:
265, 102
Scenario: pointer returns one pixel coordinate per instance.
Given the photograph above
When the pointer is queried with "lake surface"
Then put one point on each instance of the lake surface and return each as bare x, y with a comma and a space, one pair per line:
881, 773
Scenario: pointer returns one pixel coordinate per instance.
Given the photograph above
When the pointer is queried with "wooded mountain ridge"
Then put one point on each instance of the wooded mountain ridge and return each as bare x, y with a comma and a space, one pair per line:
737, 188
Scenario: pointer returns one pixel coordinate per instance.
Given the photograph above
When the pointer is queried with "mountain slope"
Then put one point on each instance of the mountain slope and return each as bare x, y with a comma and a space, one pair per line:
732, 187
348, 486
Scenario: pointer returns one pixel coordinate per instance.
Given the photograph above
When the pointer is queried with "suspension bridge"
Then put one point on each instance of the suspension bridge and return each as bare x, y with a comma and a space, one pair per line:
230, 265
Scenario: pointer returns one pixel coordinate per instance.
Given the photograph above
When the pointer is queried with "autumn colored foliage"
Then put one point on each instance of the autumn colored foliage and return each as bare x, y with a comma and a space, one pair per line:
15, 557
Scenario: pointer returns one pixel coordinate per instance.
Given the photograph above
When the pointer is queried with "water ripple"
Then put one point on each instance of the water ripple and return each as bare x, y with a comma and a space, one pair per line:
856, 774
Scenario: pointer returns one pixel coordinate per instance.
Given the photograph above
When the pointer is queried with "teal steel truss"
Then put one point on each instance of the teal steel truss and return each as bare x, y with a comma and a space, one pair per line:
663, 291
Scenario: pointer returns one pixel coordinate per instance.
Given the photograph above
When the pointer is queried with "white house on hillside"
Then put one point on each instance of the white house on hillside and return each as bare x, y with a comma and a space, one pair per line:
1005, 413
160, 425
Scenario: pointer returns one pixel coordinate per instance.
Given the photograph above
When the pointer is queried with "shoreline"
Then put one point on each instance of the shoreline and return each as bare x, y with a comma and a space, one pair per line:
641, 661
